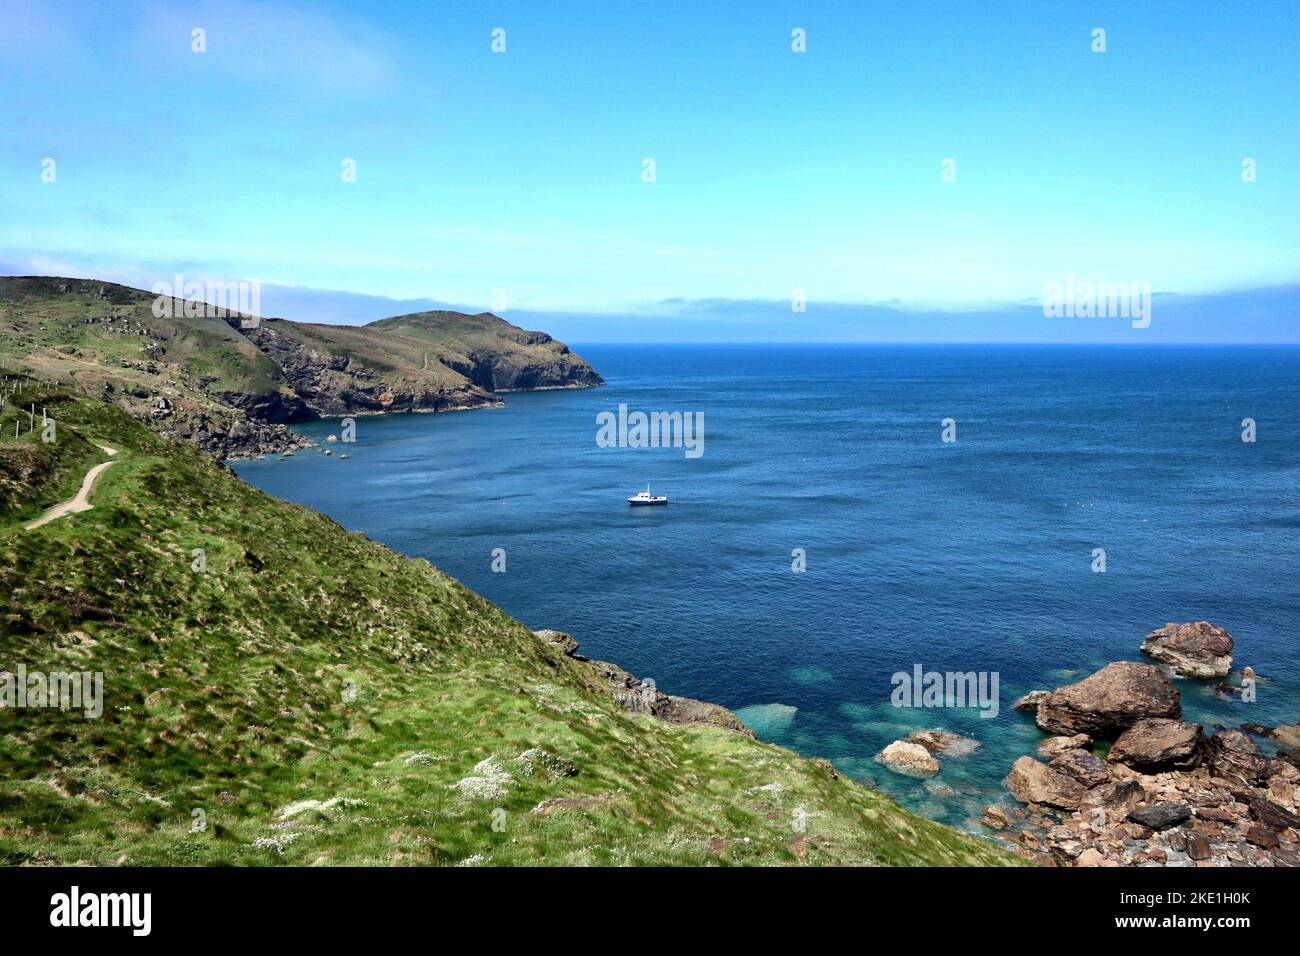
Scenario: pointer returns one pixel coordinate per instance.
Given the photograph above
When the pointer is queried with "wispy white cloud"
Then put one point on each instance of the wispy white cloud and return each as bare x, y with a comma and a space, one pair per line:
272, 46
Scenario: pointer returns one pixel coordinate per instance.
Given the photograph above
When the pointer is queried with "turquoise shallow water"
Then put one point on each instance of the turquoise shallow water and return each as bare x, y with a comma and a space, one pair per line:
972, 556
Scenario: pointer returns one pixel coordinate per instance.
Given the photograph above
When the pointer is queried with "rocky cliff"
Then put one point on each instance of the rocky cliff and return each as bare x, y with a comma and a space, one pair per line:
233, 384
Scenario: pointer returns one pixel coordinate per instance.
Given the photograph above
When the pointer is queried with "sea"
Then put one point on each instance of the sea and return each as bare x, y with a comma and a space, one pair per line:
851, 513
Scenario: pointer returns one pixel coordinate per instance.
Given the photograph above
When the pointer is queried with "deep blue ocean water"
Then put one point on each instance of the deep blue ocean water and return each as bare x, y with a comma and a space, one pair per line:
970, 556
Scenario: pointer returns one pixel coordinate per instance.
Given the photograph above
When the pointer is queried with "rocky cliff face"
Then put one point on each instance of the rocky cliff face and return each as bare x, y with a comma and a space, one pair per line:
329, 383
232, 386
428, 362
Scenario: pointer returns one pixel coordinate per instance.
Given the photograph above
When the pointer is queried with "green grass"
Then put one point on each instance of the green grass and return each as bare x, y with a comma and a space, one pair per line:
307, 663
34, 473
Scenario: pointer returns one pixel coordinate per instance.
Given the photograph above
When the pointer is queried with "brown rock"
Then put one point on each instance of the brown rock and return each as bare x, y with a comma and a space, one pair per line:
1198, 847
1288, 735
909, 759
1032, 782
995, 818
1029, 703
1269, 813
1159, 743
1083, 767
1055, 746
1262, 837
1198, 649
1121, 796
1215, 814
1105, 704
1232, 755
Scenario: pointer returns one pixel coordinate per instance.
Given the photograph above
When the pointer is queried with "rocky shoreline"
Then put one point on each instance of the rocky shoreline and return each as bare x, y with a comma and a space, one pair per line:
1119, 778
643, 697
1124, 781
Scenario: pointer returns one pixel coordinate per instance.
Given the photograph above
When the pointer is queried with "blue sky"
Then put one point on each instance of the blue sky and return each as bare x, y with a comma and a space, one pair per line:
775, 171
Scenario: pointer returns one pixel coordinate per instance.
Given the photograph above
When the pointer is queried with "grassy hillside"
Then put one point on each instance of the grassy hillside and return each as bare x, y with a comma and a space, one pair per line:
85, 333
489, 350
322, 700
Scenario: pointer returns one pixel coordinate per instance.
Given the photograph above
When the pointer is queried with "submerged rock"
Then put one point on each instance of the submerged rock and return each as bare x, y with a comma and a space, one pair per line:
768, 720
1198, 649
944, 742
1105, 704
1288, 735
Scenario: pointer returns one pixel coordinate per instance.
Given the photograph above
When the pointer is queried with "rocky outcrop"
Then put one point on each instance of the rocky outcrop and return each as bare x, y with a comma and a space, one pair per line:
230, 434
1198, 649
909, 759
1105, 704
251, 375
1029, 703
1159, 743
330, 383
1037, 784
643, 697
495, 373
565, 642
1165, 796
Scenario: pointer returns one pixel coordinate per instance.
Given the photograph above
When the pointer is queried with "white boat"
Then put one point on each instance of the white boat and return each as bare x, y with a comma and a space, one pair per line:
645, 498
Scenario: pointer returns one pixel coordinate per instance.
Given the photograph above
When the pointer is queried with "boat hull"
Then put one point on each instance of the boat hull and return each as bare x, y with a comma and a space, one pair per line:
646, 504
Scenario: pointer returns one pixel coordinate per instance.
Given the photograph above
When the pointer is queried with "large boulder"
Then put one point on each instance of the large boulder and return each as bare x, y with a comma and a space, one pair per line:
1109, 702
909, 759
1032, 782
1198, 649
1159, 743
